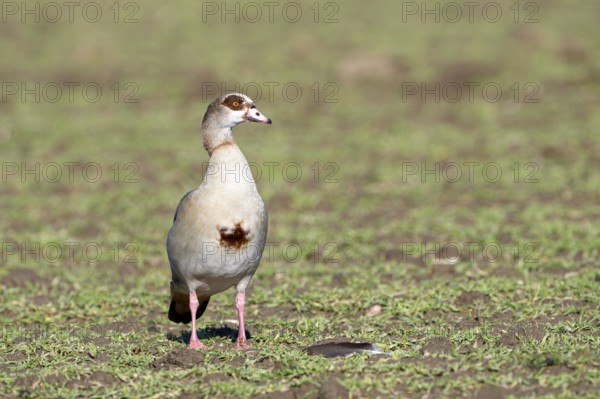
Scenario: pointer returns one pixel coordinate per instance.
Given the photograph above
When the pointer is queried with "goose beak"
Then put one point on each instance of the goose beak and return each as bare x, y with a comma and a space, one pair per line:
254, 115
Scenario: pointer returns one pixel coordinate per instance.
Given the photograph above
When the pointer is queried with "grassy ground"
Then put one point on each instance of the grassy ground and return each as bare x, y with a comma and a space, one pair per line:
479, 285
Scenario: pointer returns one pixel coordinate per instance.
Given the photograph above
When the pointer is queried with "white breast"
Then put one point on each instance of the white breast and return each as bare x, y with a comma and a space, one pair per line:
220, 230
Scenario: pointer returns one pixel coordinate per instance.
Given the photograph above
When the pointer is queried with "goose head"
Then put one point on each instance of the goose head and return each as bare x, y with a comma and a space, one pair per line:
223, 114
232, 109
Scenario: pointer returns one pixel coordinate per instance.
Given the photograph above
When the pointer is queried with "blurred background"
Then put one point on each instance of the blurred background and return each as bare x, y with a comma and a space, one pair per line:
100, 114
125, 85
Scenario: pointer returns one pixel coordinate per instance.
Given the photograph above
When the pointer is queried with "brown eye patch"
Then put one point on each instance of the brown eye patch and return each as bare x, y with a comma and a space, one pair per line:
235, 103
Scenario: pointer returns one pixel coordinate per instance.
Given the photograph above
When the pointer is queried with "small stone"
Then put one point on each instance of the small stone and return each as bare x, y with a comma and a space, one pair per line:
373, 311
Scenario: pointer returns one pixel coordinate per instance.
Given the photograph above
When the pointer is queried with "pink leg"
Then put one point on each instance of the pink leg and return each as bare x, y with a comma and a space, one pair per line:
240, 302
194, 341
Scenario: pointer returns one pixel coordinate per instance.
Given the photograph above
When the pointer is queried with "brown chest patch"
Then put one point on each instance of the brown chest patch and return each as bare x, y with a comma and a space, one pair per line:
233, 238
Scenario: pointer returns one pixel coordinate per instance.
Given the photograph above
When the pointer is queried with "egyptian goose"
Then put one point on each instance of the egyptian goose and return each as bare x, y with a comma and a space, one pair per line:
220, 228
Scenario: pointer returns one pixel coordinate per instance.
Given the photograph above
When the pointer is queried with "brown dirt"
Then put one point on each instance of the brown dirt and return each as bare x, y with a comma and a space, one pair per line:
508, 272
100, 377
40, 300
269, 364
520, 333
215, 377
471, 297
493, 392
182, 357
304, 391
59, 380
328, 387
332, 389
278, 311
27, 381
15, 356
437, 345
20, 278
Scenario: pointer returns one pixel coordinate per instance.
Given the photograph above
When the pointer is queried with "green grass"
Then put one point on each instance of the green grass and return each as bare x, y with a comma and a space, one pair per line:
526, 324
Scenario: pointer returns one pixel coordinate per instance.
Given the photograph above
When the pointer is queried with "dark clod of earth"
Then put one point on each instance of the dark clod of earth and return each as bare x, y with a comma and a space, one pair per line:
335, 348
